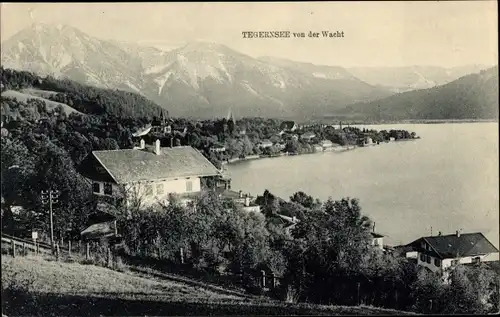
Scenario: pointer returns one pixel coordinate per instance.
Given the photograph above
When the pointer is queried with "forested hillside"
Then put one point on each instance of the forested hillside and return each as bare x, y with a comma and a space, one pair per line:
473, 96
86, 99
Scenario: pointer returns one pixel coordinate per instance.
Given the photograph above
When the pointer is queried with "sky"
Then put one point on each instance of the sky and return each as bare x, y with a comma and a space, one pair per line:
448, 34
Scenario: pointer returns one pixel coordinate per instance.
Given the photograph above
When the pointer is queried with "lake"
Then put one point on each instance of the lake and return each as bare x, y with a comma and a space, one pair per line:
447, 180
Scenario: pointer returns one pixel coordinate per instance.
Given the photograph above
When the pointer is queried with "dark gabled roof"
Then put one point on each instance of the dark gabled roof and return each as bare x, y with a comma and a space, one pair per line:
376, 235
451, 246
132, 165
92, 169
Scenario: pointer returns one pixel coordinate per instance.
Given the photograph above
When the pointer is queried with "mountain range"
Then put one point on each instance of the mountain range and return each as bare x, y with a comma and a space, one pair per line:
204, 79
473, 96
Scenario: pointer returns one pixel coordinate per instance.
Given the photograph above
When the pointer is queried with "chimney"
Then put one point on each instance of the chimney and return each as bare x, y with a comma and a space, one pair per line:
458, 233
247, 201
240, 193
142, 145
157, 147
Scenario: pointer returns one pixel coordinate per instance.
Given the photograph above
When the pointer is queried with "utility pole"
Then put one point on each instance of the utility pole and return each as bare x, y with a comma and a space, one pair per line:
50, 197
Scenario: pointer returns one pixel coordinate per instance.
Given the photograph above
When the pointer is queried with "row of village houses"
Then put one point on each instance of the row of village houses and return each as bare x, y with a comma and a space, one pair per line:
152, 172
288, 131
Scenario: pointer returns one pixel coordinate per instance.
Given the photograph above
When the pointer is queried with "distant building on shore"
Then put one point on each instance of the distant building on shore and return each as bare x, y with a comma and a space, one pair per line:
265, 144
218, 149
326, 144
308, 136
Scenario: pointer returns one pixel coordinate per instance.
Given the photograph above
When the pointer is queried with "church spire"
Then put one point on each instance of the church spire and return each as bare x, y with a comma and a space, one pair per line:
230, 116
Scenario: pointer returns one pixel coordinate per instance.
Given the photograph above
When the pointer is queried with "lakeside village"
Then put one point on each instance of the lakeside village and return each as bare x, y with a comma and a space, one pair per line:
181, 170
159, 171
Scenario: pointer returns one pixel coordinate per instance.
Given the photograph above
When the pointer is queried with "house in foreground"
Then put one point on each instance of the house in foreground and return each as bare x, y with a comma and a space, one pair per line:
441, 252
147, 174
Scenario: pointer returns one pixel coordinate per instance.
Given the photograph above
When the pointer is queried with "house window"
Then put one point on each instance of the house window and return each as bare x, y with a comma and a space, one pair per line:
422, 257
189, 186
476, 260
437, 262
375, 242
96, 187
149, 190
428, 260
108, 189
159, 189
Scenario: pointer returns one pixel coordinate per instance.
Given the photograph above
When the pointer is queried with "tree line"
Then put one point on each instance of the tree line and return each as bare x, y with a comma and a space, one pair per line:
325, 258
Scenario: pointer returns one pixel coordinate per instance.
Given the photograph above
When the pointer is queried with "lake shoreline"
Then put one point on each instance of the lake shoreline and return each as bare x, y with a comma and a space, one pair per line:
343, 149
422, 121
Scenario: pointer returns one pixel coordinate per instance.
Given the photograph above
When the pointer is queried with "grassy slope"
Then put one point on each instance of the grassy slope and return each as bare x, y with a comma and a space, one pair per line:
57, 288
36, 94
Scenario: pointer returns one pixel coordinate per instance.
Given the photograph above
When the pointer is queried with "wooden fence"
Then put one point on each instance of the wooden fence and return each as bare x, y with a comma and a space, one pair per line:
20, 247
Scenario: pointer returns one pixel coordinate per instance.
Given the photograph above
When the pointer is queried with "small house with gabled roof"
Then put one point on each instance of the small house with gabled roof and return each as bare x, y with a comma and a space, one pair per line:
308, 136
438, 253
265, 144
160, 125
149, 174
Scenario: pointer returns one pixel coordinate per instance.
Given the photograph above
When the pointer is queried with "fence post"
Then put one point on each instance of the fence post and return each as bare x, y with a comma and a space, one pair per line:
13, 248
87, 251
80, 247
57, 251
273, 280
108, 253
69, 247
263, 278
359, 286
24, 249
182, 255
37, 248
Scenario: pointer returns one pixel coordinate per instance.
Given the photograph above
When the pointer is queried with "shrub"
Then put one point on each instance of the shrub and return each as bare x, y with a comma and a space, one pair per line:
119, 265
291, 295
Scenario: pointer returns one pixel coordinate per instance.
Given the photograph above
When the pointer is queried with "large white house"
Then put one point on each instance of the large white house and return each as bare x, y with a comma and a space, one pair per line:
438, 253
148, 174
